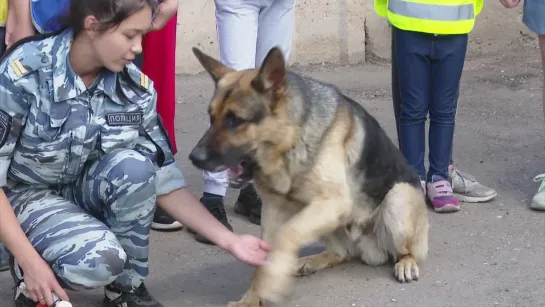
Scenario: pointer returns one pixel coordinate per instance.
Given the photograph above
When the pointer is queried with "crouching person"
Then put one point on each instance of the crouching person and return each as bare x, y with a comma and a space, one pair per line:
84, 158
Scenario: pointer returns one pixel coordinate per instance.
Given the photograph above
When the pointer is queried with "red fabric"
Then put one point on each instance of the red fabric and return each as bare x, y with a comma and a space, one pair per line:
159, 64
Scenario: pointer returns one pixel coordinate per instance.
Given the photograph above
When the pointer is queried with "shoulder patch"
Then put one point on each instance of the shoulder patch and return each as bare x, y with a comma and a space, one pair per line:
137, 77
5, 126
144, 80
18, 69
20, 66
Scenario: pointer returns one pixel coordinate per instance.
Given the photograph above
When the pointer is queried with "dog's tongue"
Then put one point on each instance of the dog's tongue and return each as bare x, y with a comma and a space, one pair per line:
235, 171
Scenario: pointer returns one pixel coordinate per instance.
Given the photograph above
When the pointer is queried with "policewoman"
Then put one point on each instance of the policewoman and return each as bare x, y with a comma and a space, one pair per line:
429, 44
84, 158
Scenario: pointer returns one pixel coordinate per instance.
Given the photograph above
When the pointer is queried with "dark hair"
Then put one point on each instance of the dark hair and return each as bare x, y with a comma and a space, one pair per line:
109, 13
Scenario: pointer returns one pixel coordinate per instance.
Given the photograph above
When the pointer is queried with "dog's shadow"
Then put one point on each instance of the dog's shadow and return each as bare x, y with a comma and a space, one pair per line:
213, 284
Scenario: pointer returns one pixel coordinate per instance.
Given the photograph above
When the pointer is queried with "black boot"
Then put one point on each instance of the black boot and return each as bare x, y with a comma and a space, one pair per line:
215, 206
249, 204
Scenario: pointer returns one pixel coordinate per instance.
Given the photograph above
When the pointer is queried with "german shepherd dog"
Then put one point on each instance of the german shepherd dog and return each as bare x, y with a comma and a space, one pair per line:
324, 169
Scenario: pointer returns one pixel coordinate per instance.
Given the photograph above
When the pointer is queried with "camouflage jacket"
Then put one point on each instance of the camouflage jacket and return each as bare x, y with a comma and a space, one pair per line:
51, 124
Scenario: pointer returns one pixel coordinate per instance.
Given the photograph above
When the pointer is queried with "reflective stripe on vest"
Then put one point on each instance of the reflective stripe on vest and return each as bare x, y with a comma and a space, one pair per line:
432, 11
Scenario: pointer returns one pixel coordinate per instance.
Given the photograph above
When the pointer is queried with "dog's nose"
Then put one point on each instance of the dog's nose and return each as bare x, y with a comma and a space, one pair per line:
198, 155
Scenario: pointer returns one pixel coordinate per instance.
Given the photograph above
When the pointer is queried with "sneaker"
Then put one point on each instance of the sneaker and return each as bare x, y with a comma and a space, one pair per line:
217, 209
249, 204
163, 221
467, 189
441, 196
538, 201
139, 298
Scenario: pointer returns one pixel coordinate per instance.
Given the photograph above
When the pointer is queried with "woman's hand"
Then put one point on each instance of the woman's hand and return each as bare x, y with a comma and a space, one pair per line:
40, 283
249, 249
165, 11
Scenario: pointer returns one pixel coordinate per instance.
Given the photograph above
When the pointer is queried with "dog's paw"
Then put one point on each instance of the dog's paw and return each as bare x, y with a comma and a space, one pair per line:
276, 287
277, 280
306, 268
245, 303
406, 270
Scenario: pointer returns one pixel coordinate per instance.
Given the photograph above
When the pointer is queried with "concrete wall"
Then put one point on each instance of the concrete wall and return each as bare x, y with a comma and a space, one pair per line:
336, 31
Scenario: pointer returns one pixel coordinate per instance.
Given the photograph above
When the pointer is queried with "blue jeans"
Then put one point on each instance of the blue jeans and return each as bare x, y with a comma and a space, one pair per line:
426, 73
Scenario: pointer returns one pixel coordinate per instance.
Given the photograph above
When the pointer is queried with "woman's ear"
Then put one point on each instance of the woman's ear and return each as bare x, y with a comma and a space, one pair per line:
90, 25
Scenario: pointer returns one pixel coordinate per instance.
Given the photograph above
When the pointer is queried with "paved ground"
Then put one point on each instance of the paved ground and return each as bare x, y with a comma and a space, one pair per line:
489, 254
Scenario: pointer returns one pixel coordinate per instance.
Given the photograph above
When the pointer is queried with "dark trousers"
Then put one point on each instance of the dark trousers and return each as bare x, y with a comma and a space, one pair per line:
426, 73
2, 40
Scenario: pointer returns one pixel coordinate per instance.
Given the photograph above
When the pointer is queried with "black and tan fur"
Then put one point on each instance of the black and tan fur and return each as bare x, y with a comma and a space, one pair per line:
324, 169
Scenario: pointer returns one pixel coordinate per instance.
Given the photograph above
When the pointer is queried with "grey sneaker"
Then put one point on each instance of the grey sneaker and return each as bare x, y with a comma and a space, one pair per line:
538, 201
467, 189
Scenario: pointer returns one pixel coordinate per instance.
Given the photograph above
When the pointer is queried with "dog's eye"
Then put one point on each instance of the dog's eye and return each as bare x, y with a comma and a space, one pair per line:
231, 121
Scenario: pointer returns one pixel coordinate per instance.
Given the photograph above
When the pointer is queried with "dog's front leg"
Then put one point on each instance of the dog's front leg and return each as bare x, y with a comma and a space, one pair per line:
320, 217
275, 212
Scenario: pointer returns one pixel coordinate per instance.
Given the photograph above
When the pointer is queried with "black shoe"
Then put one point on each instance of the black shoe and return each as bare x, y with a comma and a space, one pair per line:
217, 209
139, 298
249, 204
163, 221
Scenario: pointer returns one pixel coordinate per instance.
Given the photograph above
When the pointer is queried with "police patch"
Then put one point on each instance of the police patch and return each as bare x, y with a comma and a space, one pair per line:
124, 118
5, 126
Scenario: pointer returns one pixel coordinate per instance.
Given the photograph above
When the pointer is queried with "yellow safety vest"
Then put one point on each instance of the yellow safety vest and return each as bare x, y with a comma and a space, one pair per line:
3, 13
431, 16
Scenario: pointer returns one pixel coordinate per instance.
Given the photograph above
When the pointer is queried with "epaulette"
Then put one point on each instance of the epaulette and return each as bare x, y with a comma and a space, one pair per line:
16, 69
21, 64
137, 77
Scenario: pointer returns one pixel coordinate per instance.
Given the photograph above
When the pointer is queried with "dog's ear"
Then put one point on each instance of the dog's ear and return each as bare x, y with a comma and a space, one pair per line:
272, 74
214, 67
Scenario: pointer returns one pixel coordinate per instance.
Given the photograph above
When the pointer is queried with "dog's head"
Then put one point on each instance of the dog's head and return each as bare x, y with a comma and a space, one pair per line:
247, 117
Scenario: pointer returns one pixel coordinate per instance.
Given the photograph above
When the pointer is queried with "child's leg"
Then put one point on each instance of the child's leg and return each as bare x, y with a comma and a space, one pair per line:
534, 18
236, 26
465, 186
542, 49
538, 201
396, 97
276, 23
158, 62
448, 58
412, 52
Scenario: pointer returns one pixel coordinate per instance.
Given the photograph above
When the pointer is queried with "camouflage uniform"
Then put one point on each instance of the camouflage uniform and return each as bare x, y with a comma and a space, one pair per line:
82, 166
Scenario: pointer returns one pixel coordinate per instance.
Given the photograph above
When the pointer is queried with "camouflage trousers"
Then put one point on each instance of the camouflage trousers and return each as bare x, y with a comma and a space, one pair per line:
95, 231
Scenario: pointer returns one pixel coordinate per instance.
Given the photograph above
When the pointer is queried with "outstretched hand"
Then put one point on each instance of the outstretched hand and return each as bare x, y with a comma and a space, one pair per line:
249, 249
